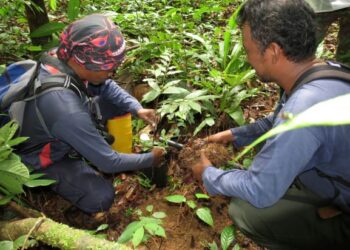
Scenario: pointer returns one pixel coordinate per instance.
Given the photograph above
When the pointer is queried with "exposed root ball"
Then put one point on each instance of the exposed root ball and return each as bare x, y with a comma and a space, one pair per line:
191, 153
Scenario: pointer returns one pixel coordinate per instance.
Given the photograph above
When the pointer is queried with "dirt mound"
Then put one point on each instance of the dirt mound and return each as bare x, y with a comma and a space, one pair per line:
191, 153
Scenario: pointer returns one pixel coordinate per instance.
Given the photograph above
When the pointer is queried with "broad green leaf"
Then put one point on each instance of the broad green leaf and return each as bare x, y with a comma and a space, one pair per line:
332, 112
196, 94
35, 176
227, 236
159, 215
175, 90
205, 215
6, 245
155, 229
13, 174
195, 106
138, 236
150, 96
176, 198
237, 116
202, 196
39, 183
149, 208
47, 29
73, 9
129, 231
192, 204
153, 84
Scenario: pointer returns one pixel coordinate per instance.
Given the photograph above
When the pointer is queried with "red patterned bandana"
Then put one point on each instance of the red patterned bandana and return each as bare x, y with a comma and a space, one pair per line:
94, 42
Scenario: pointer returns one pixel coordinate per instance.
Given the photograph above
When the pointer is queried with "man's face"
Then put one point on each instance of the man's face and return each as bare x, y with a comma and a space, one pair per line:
255, 58
95, 77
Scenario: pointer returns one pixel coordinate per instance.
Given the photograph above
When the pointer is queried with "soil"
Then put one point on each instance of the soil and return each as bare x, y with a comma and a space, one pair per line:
191, 153
133, 193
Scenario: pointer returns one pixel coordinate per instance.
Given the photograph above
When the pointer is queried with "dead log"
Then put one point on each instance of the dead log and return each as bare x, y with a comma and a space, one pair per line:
55, 234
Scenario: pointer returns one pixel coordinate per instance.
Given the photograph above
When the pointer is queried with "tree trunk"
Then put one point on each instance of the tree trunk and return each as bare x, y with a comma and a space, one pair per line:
36, 18
55, 234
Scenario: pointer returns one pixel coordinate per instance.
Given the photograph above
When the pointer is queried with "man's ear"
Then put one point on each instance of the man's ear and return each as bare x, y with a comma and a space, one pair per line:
275, 52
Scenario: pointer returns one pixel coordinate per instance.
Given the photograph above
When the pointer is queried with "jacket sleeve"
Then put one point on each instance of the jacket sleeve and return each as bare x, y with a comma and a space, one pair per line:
245, 135
273, 170
71, 123
113, 93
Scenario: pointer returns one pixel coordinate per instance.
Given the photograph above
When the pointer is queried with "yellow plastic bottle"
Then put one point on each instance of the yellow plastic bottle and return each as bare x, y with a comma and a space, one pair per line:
120, 127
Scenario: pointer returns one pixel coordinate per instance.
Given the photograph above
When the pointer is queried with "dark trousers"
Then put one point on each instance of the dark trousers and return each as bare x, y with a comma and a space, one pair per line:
78, 182
291, 224
324, 20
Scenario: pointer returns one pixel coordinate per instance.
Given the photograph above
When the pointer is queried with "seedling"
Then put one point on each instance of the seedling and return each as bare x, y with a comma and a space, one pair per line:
141, 230
203, 213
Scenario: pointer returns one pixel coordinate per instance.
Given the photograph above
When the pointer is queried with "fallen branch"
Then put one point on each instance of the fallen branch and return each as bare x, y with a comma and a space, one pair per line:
55, 234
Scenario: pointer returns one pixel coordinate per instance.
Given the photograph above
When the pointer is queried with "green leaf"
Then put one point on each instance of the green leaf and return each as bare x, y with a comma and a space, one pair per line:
236, 247
192, 204
138, 236
149, 208
195, 106
73, 9
129, 231
237, 116
159, 215
202, 196
196, 94
208, 121
47, 29
19, 242
205, 215
13, 174
155, 229
150, 96
5, 200
176, 198
6, 245
17, 141
53, 4
39, 183
102, 227
227, 237
332, 112
175, 90
213, 246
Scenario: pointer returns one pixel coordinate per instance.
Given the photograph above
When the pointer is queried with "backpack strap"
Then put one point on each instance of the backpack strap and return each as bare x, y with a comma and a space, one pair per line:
331, 70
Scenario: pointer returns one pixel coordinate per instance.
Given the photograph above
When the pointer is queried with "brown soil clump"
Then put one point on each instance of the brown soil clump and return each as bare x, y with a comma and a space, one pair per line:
191, 153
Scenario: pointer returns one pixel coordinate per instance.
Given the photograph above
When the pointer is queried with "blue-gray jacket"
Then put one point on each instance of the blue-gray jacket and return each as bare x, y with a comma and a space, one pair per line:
297, 153
70, 123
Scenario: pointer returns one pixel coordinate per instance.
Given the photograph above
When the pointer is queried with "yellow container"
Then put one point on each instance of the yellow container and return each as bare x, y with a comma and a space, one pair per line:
120, 127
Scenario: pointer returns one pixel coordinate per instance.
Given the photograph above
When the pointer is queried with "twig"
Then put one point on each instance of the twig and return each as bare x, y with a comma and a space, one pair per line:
35, 227
131, 48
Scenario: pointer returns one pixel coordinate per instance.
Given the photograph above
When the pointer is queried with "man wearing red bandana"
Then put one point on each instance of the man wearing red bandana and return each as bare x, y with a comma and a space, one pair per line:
90, 50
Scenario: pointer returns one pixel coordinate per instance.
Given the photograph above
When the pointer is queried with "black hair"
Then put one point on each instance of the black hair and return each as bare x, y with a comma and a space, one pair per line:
289, 23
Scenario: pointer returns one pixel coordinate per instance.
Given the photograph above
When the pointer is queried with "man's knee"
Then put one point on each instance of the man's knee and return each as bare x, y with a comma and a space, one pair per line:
99, 199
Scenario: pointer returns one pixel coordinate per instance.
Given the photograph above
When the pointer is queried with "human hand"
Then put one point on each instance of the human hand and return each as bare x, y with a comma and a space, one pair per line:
149, 116
223, 137
158, 155
199, 168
